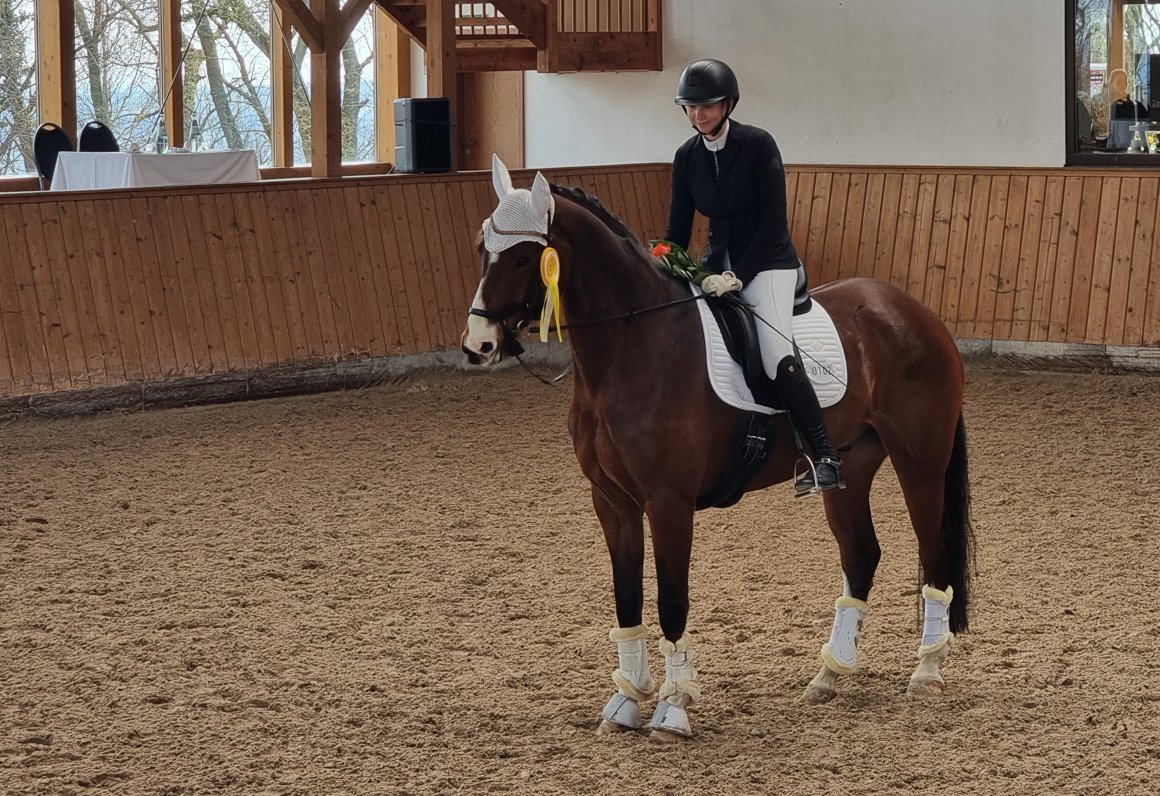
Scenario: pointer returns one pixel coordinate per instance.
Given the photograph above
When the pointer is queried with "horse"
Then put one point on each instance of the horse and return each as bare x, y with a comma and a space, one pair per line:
651, 436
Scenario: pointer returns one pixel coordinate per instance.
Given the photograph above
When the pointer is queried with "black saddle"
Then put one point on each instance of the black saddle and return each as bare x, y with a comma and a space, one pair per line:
753, 440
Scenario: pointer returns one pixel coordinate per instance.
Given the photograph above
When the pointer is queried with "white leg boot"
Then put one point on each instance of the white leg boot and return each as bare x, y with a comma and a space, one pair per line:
632, 679
840, 653
936, 642
677, 692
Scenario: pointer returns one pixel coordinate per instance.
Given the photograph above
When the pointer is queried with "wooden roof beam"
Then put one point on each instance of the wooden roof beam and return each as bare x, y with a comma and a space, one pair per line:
349, 17
304, 21
530, 16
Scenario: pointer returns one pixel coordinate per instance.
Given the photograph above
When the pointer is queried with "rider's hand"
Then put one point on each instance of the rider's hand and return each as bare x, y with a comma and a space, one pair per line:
720, 284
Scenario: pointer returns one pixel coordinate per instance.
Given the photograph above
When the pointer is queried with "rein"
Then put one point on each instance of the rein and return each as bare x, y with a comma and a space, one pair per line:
632, 313
512, 345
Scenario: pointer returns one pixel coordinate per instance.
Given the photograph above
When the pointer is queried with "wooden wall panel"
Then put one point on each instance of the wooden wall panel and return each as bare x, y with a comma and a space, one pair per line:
112, 289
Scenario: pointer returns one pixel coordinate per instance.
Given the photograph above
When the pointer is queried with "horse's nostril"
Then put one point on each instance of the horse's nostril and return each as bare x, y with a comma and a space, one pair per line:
486, 348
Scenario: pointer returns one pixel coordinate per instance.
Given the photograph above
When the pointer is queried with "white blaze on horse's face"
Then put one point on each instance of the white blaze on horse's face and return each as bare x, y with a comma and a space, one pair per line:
482, 338
522, 216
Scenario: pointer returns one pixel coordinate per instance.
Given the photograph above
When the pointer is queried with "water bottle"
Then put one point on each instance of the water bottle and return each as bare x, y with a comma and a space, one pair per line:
162, 141
194, 136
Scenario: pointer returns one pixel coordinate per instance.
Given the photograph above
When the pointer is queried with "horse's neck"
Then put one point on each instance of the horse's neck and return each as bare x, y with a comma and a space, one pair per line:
609, 279
608, 276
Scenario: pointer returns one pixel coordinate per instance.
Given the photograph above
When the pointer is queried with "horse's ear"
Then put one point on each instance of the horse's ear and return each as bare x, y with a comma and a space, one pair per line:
500, 177
541, 196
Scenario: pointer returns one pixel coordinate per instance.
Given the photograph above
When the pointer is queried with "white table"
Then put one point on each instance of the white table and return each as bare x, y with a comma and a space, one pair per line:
87, 171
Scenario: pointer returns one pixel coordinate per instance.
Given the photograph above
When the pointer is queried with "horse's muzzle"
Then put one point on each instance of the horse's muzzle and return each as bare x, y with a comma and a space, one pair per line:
474, 358
481, 352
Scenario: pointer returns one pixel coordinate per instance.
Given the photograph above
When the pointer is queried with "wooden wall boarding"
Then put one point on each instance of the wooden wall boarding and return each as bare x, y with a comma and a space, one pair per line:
114, 288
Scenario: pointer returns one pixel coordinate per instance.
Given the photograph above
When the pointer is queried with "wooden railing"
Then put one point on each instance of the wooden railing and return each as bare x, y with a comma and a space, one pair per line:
609, 35
598, 16
482, 21
153, 286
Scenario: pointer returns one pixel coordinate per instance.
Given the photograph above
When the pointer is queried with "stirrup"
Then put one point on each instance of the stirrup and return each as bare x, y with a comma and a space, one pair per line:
807, 483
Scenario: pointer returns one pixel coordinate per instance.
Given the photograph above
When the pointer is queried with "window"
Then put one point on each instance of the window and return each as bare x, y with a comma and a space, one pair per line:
245, 77
18, 81
358, 91
118, 69
227, 81
1113, 82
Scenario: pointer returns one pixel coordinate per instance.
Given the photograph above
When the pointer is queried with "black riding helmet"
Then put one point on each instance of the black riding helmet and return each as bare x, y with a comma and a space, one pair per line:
705, 81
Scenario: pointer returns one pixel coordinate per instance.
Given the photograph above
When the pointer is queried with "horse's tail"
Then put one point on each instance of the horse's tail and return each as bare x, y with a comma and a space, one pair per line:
957, 535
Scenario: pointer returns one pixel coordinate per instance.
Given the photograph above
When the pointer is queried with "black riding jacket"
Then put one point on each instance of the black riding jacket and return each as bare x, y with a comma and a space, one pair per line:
742, 195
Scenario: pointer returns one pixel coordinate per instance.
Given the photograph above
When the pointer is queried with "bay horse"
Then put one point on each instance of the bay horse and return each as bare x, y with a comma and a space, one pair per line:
651, 436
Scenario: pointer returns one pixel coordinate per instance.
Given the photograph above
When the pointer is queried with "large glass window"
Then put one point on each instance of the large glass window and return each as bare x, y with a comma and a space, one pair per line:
118, 69
18, 112
1114, 82
229, 86
299, 55
358, 91
227, 81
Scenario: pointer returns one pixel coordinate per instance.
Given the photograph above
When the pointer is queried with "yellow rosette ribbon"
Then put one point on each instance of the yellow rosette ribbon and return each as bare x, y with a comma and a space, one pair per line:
550, 273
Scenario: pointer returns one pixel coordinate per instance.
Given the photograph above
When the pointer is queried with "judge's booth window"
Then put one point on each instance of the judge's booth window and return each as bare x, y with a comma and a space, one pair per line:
1115, 84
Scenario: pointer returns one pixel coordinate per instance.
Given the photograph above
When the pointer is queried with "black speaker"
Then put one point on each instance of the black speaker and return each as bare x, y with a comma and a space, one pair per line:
422, 135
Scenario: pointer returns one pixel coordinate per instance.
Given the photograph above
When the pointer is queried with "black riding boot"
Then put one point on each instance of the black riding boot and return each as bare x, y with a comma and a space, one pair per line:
793, 385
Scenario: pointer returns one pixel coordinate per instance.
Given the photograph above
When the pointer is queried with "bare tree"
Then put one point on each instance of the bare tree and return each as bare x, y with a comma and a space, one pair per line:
227, 83
17, 98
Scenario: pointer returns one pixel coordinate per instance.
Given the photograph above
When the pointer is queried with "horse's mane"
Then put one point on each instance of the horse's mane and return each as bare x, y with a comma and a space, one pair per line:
597, 208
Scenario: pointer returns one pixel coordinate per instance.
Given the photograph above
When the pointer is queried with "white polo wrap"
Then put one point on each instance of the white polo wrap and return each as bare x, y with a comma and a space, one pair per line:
679, 669
936, 628
841, 652
632, 677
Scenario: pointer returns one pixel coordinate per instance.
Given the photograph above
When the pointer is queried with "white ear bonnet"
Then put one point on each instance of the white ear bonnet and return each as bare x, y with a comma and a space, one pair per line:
522, 215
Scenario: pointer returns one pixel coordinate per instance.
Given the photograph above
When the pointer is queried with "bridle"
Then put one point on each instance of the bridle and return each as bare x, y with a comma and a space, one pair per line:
510, 344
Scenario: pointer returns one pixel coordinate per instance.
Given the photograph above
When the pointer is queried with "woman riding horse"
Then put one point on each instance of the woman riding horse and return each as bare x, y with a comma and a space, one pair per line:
652, 436
732, 173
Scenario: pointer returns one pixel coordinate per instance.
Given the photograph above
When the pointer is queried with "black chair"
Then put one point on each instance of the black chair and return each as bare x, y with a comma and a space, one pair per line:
50, 140
96, 137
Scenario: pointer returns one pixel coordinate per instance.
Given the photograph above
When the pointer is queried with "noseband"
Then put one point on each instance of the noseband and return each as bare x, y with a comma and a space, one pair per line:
510, 344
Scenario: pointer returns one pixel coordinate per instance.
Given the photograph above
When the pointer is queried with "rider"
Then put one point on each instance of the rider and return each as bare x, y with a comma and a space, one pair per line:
732, 173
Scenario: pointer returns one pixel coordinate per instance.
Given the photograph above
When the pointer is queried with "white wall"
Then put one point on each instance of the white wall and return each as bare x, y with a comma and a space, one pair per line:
874, 82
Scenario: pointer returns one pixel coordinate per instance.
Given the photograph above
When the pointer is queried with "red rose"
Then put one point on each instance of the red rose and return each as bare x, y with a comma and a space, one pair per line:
662, 250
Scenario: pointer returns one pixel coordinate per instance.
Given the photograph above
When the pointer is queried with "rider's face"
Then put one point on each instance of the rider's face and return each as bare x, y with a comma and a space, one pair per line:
706, 117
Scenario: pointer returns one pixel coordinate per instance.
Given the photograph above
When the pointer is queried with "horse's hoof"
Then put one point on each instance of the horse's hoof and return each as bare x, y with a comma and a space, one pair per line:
612, 728
664, 736
926, 687
816, 695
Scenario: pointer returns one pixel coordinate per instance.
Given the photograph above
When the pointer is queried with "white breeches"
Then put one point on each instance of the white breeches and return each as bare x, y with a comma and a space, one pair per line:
771, 294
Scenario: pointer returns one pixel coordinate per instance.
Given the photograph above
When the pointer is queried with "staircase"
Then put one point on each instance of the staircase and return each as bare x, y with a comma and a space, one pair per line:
545, 35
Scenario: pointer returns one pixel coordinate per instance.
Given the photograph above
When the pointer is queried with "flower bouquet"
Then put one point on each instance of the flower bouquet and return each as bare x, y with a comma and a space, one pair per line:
674, 260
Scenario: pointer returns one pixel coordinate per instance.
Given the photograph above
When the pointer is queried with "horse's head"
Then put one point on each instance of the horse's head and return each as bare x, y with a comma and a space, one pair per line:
511, 289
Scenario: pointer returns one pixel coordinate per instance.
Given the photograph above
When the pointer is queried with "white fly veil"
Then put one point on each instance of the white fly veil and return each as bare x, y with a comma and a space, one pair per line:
522, 214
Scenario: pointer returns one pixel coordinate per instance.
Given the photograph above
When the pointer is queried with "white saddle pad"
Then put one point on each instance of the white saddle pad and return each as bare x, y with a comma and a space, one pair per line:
817, 341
